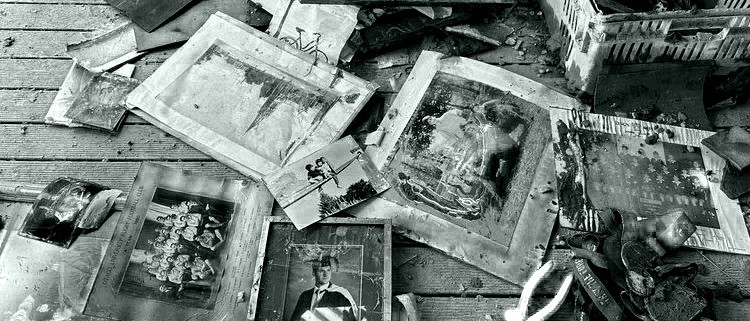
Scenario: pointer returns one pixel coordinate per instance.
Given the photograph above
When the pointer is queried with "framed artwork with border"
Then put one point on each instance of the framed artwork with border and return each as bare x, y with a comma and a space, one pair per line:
247, 99
466, 148
338, 269
180, 250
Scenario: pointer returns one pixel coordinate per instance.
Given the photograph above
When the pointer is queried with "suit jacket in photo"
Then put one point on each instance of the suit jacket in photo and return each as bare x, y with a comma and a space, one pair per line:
334, 297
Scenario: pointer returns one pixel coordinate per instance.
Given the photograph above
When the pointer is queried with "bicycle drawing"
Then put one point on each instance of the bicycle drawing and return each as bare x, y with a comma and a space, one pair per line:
311, 47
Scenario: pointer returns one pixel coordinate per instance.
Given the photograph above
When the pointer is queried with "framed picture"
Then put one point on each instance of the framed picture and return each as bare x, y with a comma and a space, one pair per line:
326, 182
178, 251
466, 150
607, 162
336, 270
247, 99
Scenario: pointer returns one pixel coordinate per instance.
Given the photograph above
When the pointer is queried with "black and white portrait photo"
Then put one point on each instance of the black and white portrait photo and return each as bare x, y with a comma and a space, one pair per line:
337, 270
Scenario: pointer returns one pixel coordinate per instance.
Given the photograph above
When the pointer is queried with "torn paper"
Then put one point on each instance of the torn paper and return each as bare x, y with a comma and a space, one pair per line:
319, 30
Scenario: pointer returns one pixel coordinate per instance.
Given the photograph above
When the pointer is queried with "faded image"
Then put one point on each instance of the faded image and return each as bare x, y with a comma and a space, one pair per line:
464, 145
624, 173
326, 182
41, 281
247, 100
324, 273
179, 251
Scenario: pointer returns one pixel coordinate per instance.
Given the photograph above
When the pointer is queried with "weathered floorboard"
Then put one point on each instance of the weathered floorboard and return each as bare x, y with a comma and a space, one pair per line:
83, 17
133, 142
39, 44
117, 175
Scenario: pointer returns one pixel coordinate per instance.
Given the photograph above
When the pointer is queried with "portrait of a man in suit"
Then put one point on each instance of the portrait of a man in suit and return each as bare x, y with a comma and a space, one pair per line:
325, 300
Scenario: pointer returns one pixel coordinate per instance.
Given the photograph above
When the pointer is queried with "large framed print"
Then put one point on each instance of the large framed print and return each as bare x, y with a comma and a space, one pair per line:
183, 248
467, 152
247, 99
335, 270
645, 170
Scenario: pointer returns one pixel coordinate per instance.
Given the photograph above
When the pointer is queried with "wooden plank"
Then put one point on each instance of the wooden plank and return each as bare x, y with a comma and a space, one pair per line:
492, 309
84, 17
33, 73
424, 270
50, 73
118, 175
39, 44
134, 142
30, 106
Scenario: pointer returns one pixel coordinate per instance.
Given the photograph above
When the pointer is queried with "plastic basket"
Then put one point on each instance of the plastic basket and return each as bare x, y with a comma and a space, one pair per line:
593, 39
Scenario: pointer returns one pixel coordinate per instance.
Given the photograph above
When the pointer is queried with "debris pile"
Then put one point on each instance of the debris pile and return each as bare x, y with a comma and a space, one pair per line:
446, 122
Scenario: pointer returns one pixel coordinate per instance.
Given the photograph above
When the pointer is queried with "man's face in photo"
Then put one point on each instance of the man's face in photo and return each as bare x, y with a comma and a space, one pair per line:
322, 275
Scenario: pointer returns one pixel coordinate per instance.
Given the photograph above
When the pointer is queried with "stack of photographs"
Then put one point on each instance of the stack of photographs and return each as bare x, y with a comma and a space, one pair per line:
247, 99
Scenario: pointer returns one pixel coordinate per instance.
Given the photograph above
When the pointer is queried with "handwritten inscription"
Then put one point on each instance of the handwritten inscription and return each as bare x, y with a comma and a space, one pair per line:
596, 291
122, 244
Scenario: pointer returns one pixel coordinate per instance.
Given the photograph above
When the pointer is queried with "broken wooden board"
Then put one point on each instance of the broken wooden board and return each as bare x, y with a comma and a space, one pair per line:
604, 162
482, 202
194, 96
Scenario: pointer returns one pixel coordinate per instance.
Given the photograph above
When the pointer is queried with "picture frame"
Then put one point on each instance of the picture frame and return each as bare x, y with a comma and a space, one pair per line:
177, 251
674, 171
509, 245
226, 91
356, 254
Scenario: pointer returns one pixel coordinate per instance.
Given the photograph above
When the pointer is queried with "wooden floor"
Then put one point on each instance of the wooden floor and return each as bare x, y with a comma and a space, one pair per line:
32, 69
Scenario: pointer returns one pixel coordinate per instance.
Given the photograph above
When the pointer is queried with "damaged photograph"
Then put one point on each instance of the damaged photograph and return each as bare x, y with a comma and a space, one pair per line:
179, 250
57, 211
461, 151
326, 182
335, 271
42, 281
248, 100
643, 170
